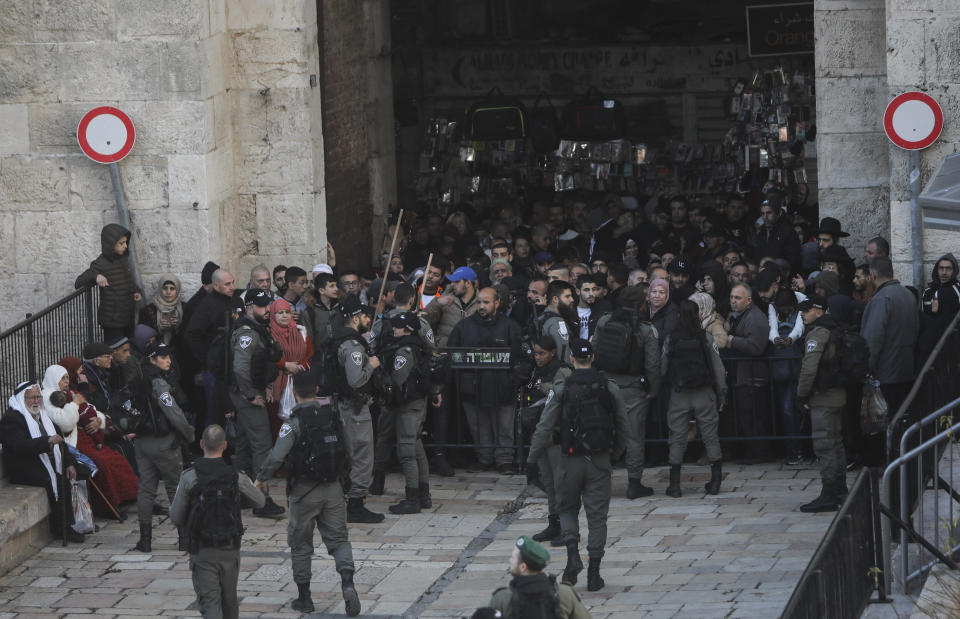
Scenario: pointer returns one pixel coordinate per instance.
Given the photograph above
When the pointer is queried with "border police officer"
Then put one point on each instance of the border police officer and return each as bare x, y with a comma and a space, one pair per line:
584, 471
255, 356
215, 569
532, 590
315, 497
819, 392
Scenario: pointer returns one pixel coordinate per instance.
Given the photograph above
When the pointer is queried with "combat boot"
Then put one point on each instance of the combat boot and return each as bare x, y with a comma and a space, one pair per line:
146, 532
674, 488
441, 467
410, 505
552, 531
574, 564
269, 509
716, 476
826, 502
594, 582
426, 502
636, 490
351, 600
379, 479
840, 489
303, 604
356, 512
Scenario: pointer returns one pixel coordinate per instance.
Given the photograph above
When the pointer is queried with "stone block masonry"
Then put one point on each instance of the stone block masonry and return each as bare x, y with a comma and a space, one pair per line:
228, 162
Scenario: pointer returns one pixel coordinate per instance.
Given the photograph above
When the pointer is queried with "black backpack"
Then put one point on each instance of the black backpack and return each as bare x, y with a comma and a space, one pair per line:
125, 411
214, 517
851, 357
418, 382
587, 413
615, 345
689, 363
594, 117
544, 126
541, 604
331, 376
320, 453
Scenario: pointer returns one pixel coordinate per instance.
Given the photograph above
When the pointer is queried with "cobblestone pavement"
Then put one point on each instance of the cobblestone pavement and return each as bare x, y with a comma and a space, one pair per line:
738, 554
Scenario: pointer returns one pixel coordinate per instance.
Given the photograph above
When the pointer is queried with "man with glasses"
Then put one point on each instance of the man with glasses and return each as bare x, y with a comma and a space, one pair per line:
350, 284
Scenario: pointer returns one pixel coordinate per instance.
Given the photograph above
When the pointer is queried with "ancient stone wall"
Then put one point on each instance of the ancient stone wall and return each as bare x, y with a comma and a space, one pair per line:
228, 162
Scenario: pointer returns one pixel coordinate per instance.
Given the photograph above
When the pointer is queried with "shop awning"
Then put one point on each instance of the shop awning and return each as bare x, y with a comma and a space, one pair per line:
940, 199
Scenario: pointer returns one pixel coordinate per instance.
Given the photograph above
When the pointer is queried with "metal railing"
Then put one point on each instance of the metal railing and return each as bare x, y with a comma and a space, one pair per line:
842, 575
61, 329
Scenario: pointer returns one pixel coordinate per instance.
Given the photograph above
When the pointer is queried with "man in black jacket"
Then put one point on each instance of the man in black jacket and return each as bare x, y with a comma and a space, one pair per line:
489, 396
776, 237
211, 315
34, 455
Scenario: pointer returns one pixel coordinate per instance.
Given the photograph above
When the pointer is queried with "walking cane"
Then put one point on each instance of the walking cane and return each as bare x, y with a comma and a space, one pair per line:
116, 514
66, 503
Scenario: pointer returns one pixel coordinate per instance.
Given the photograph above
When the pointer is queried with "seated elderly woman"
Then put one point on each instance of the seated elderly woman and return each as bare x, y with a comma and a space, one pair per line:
34, 454
83, 427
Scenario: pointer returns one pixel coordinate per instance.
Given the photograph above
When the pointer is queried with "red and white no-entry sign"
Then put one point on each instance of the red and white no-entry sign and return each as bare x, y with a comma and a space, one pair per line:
105, 134
913, 120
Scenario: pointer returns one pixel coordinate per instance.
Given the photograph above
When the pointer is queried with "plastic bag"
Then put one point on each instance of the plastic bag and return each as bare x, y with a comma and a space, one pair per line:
873, 409
287, 401
82, 514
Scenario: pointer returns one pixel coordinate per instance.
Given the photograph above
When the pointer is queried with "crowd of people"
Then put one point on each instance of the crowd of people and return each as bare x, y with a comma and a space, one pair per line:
618, 321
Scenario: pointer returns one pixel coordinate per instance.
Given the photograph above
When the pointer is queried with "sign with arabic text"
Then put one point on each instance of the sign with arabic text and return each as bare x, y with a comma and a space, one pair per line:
780, 29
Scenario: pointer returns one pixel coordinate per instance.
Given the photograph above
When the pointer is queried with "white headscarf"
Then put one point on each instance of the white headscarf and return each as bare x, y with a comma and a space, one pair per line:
17, 403
65, 418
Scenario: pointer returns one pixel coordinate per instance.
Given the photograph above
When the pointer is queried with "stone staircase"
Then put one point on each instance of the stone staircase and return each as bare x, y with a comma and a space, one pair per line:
24, 529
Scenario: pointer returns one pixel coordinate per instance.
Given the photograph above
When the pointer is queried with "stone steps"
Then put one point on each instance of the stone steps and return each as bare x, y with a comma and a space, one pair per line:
24, 529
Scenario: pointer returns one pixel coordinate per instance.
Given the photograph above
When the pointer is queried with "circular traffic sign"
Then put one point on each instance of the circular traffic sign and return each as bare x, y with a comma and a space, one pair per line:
105, 134
913, 120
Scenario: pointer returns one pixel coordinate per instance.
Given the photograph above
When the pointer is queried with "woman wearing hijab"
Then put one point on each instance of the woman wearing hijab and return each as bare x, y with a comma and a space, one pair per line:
116, 478
663, 313
710, 320
297, 351
33, 453
164, 313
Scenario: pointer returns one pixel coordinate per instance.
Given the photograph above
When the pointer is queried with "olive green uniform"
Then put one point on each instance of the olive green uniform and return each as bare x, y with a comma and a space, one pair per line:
215, 570
409, 417
570, 606
700, 403
581, 478
354, 410
387, 421
550, 460
253, 424
826, 402
310, 503
637, 391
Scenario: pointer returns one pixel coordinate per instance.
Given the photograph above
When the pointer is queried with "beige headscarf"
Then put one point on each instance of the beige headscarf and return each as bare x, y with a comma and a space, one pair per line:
169, 314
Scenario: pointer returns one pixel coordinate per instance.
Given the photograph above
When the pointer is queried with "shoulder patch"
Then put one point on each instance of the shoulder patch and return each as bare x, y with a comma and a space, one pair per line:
166, 398
549, 397
285, 429
398, 362
562, 328
811, 345
357, 358
245, 341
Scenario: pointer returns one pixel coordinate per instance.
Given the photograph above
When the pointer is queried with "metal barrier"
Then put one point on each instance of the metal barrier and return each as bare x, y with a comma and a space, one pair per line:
765, 420
843, 573
29, 347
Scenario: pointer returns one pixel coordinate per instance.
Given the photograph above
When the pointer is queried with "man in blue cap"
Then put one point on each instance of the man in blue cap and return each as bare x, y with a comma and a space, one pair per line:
458, 301
531, 592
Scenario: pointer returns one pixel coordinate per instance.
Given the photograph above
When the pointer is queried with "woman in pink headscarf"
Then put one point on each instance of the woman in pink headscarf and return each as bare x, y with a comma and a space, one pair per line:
297, 351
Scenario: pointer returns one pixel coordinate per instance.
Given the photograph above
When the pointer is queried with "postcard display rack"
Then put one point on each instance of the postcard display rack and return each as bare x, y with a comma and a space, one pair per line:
771, 119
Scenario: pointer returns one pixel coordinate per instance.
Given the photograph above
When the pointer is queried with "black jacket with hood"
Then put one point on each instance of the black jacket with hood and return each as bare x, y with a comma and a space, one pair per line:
117, 307
933, 324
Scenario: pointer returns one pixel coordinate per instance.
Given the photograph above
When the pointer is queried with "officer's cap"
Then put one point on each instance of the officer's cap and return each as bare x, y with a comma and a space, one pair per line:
813, 301
581, 349
534, 554
405, 320
257, 297
158, 349
632, 297
305, 381
352, 306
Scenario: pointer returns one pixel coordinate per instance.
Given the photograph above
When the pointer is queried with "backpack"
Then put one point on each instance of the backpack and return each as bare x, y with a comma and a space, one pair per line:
593, 117
320, 454
496, 118
417, 384
124, 411
689, 365
543, 604
544, 127
587, 413
214, 517
331, 376
615, 345
851, 358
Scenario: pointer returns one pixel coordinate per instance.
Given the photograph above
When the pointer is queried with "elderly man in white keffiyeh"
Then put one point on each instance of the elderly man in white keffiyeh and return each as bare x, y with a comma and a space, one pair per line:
34, 453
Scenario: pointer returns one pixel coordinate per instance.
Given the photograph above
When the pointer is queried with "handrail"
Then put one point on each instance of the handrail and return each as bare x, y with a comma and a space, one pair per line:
918, 381
33, 317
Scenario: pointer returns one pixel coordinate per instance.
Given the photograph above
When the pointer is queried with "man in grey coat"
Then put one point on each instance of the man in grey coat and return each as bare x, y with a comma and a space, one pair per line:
890, 325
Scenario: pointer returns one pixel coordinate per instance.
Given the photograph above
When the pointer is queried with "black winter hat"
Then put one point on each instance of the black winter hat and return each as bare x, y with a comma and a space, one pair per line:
206, 275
